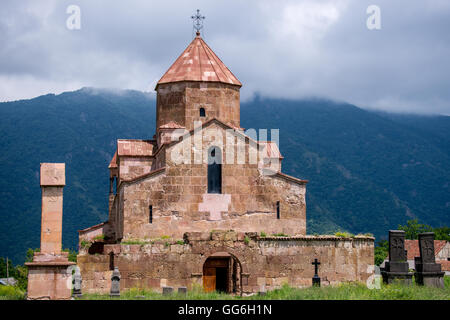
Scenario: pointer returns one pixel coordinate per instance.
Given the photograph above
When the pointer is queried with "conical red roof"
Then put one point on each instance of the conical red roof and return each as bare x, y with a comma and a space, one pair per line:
199, 63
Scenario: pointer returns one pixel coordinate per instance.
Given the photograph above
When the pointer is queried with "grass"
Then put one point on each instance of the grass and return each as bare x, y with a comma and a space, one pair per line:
11, 293
345, 291
344, 234
281, 234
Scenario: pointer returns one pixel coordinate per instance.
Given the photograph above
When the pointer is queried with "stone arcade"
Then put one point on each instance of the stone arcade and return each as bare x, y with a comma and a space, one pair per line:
185, 211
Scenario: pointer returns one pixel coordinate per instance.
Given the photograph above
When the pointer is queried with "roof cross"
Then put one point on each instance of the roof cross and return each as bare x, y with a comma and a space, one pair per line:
197, 20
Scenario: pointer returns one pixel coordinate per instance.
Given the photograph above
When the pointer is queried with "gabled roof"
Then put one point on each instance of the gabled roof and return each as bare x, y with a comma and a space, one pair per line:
8, 281
113, 163
199, 63
271, 149
412, 247
135, 148
273, 152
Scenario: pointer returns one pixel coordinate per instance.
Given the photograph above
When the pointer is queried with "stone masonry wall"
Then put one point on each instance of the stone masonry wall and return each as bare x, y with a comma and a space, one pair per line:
181, 102
132, 167
267, 263
180, 202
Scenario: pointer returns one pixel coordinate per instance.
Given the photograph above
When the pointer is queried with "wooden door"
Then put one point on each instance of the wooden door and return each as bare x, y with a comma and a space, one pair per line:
209, 279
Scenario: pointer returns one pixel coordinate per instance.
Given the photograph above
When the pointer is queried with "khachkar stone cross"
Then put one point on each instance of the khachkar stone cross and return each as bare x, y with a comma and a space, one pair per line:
396, 269
428, 272
316, 278
77, 280
48, 277
115, 283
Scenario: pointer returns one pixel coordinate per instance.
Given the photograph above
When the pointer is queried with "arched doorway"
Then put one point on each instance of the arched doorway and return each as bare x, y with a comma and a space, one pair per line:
222, 272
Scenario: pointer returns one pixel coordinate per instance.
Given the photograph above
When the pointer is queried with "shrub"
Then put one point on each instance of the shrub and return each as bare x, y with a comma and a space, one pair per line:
85, 244
11, 293
344, 234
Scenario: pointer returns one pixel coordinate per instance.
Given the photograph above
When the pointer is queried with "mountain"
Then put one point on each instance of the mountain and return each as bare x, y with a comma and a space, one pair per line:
368, 171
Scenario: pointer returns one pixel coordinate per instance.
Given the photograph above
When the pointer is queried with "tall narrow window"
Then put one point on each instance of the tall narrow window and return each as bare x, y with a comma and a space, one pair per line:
111, 261
150, 214
278, 209
214, 170
202, 112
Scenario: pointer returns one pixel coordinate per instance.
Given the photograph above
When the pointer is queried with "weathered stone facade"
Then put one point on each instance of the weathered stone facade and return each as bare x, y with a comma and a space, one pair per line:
266, 262
196, 200
180, 102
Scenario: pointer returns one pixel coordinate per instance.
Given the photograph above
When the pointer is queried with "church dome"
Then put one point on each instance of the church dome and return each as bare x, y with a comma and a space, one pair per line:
199, 63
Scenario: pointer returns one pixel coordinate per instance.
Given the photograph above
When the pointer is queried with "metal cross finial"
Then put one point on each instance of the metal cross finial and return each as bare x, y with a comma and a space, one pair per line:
198, 21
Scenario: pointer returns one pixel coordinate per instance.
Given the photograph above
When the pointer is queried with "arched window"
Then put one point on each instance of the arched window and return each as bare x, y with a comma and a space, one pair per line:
202, 112
111, 261
214, 170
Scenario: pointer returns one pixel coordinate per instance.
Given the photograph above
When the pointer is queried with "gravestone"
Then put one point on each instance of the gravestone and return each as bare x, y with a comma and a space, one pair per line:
48, 275
77, 280
316, 278
167, 290
428, 272
115, 283
182, 290
396, 269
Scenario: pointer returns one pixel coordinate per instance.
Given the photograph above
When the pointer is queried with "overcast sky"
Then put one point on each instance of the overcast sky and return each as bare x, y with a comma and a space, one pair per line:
289, 49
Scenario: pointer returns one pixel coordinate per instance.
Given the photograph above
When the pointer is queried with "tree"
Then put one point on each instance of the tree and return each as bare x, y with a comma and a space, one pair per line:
3, 268
72, 255
30, 254
442, 233
413, 228
381, 251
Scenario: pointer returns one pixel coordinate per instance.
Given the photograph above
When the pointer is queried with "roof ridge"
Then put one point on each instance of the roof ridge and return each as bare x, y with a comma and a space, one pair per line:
198, 62
221, 62
212, 58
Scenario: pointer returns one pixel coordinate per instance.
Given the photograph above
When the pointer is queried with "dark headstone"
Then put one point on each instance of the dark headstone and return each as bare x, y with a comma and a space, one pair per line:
115, 283
396, 269
167, 290
428, 272
316, 278
182, 290
77, 280
426, 247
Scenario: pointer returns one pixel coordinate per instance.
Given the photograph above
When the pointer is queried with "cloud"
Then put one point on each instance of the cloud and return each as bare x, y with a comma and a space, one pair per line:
288, 48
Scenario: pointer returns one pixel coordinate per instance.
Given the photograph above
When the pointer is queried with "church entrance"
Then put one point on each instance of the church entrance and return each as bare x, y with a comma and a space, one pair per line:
221, 273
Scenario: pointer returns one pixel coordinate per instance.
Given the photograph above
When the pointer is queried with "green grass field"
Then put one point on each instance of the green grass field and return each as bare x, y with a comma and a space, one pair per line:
346, 291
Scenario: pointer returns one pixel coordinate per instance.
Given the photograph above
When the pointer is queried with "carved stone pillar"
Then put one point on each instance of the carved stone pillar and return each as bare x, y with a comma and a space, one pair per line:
48, 277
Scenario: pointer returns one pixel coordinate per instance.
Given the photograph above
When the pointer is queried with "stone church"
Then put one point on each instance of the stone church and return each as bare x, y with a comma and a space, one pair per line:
205, 203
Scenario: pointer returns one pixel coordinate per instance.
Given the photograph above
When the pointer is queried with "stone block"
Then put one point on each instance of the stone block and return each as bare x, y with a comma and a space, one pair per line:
167, 290
53, 174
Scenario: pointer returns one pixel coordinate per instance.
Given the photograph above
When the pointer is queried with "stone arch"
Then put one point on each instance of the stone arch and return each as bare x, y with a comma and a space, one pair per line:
234, 254
206, 254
